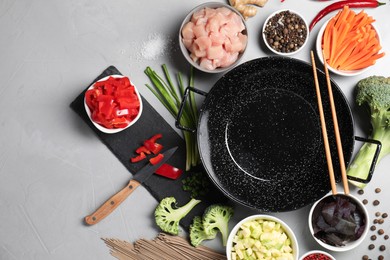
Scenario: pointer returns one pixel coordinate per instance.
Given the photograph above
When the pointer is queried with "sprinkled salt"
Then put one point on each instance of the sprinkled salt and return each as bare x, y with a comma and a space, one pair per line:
156, 46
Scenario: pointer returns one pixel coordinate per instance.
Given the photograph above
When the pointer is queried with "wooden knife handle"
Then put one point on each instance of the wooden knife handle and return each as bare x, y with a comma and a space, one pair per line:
111, 203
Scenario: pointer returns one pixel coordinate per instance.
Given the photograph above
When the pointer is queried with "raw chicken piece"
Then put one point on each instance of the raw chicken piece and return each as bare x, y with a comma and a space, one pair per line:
199, 31
206, 64
188, 31
197, 51
209, 12
197, 15
203, 42
217, 38
215, 52
228, 59
188, 43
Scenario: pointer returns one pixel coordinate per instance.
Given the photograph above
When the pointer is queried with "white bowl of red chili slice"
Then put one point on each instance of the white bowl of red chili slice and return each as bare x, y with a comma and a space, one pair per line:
113, 104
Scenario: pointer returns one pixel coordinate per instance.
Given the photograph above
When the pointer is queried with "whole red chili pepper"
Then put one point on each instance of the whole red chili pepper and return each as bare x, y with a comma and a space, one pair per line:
340, 5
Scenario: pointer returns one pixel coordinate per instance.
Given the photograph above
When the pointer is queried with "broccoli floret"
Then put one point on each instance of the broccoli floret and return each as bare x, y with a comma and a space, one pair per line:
374, 93
197, 234
168, 215
217, 216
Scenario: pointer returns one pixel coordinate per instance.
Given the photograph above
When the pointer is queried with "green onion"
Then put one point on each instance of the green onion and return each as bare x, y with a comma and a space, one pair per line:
171, 96
197, 183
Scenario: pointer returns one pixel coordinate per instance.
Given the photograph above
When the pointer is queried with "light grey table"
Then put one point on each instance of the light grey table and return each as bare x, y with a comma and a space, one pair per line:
53, 169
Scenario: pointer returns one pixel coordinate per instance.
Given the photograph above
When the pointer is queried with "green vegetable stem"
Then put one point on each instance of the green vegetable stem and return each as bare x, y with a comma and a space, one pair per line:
374, 93
171, 96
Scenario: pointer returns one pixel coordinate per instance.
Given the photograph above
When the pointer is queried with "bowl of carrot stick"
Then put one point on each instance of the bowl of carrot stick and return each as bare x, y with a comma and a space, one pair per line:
349, 42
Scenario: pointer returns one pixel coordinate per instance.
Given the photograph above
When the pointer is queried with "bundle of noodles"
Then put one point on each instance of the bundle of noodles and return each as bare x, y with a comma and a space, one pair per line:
163, 247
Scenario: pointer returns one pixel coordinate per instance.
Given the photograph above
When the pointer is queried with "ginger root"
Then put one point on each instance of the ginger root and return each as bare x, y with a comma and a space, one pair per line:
247, 7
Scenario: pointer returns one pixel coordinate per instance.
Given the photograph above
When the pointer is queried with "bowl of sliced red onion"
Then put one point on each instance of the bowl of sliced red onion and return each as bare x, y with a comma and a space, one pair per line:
213, 37
338, 222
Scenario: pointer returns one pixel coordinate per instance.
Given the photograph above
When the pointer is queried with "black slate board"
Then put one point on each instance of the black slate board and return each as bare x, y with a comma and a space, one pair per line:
123, 144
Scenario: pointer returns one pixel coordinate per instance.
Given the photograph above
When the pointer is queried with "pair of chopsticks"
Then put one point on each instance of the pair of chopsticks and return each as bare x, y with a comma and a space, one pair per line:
336, 128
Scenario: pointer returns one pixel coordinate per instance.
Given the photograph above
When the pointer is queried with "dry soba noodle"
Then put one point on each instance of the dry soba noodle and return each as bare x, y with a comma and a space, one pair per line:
163, 247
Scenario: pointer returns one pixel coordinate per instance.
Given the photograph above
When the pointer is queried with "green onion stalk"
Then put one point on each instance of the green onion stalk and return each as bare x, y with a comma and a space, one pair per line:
171, 97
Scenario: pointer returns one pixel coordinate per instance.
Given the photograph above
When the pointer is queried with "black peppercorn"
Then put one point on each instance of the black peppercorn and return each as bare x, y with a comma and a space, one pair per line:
376, 202
373, 228
373, 237
365, 201
371, 246
381, 231
384, 215
283, 29
377, 190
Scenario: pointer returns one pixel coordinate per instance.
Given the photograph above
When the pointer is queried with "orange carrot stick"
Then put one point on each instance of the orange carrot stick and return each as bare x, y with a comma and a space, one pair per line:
367, 62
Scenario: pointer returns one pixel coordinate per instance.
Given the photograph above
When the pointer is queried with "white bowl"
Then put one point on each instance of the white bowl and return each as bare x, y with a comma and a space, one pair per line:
347, 73
285, 53
286, 228
186, 52
114, 130
350, 245
317, 252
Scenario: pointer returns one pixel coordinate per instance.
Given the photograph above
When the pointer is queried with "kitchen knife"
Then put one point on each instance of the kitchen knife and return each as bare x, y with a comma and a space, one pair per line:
141, 176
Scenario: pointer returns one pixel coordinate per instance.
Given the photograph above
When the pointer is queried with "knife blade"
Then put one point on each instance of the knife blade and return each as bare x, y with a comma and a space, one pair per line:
141, 176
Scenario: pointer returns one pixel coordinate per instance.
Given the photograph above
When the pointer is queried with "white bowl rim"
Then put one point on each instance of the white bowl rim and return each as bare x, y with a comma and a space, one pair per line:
286, 228
336, 71
184, 49
285, 53
317, 252
114, 130
350, 245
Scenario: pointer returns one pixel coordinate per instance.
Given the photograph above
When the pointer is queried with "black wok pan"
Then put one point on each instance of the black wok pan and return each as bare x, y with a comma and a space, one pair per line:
259, 134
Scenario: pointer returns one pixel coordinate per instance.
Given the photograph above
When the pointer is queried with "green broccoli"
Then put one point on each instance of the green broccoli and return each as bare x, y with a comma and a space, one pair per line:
374, 92
217, 216
168, 215
197, 234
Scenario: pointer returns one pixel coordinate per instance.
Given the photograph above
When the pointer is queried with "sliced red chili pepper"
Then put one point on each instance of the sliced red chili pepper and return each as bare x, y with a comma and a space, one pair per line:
169, 171
340, 4
156, 159
155, 137
138, 158
155, 148
142, 149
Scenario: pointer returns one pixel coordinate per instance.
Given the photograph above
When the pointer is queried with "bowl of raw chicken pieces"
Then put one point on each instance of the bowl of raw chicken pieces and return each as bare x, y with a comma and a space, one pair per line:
213, 37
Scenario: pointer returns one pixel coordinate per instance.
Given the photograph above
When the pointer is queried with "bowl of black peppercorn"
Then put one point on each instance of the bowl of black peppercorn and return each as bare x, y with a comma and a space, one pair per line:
285, 32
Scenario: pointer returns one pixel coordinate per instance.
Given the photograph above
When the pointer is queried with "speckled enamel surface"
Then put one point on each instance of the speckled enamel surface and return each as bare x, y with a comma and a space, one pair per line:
260, 138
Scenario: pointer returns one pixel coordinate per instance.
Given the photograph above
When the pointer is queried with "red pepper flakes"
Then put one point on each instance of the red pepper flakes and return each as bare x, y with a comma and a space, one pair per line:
317, 256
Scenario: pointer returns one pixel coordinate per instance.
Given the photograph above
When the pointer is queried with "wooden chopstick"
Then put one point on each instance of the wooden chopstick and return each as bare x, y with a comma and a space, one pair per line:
336, 128
323, 127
